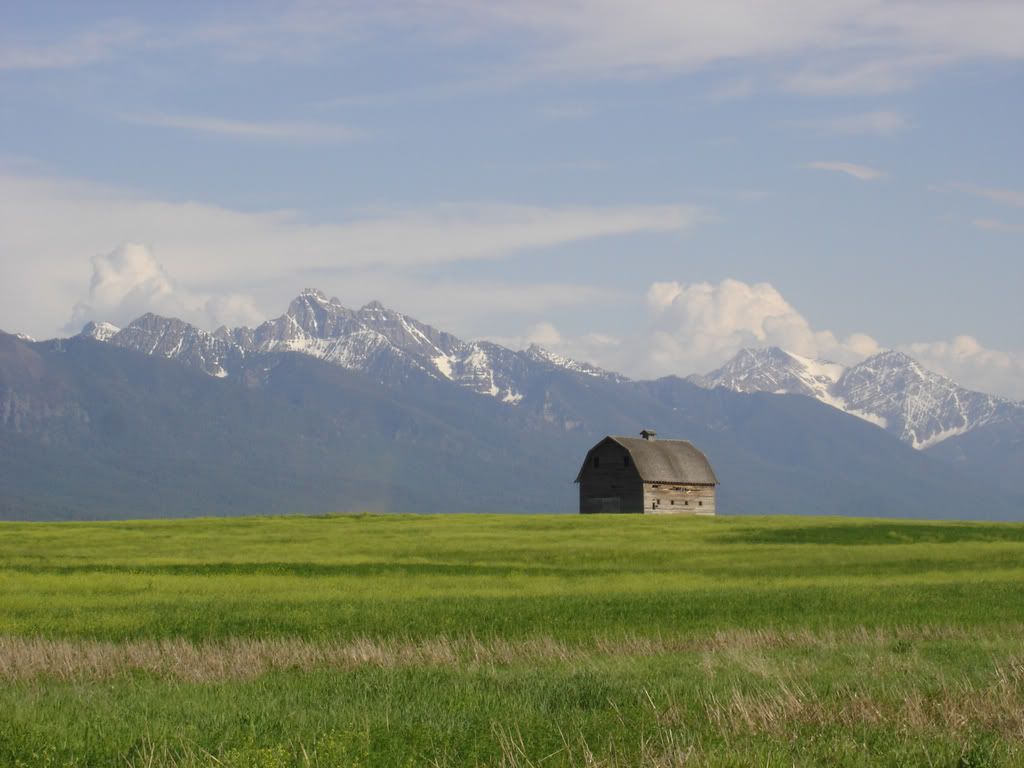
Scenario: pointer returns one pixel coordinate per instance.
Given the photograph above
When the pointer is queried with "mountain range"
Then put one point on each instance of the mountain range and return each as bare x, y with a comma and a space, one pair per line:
377, 341
922, 408
327, 408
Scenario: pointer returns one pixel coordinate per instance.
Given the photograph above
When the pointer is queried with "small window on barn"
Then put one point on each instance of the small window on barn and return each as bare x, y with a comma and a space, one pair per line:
672, 502
686, 503
700, 503
597, 462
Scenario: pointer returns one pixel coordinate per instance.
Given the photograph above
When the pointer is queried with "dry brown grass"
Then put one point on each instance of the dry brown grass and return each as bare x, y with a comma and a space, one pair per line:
780, 707
30, 658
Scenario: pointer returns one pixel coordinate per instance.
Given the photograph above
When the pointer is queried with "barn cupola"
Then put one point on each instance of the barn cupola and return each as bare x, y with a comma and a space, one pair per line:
648, 434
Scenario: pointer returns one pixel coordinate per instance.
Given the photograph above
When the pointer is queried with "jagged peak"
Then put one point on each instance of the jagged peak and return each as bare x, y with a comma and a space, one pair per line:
892, 360
315, 296
773, 353
769, 350
373, 306
891, 356
537, 352
147, 317
777, 357
762, 353
151, 318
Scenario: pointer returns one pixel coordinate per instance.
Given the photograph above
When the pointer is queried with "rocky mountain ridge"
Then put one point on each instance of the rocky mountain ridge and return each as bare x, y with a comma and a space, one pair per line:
91, 429
373, 339
889, 389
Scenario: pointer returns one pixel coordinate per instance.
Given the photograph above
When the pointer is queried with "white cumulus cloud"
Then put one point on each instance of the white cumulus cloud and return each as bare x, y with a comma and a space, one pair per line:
545, 334
129, 281
695, 327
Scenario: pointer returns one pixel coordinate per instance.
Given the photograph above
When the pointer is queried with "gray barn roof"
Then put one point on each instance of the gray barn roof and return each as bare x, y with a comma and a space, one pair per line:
666, 461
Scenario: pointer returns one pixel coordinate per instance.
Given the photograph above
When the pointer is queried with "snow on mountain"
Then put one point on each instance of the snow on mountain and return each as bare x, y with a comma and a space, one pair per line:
174, 340
771, 369
889, 389
373, 339
538, 353
925, 407
100, 331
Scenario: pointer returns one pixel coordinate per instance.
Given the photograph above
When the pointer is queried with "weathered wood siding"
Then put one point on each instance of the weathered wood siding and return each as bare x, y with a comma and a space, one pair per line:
679, 499
613, 485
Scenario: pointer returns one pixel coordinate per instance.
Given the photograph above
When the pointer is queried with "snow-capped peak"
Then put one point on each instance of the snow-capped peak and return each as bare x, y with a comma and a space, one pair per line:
889, 389
317, 295
100, 331
771, 369
378, 341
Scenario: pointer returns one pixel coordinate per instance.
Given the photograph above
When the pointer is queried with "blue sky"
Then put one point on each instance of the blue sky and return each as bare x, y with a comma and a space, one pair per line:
647, 185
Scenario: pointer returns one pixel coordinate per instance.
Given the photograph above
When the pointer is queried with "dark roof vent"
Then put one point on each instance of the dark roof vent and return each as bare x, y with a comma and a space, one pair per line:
648, 434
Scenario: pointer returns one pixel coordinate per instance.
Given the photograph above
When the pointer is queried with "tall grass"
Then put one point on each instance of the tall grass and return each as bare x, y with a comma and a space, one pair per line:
490, 641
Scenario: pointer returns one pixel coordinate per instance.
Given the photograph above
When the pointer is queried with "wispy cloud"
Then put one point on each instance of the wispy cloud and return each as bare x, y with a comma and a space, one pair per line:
880, 74
130, 280
86, 47
820, 47
275, 131
213, 250
997, 225
838, 46
1001, 195
878, 123
861, 172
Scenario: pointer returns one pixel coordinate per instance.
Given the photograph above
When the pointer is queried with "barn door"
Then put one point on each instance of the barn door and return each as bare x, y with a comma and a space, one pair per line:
604, 504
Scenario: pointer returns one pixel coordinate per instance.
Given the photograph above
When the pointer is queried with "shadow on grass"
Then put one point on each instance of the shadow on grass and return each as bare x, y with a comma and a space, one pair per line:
312, 570
859, 534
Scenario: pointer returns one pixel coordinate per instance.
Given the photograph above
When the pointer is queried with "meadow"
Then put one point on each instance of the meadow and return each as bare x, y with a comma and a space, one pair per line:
484, 640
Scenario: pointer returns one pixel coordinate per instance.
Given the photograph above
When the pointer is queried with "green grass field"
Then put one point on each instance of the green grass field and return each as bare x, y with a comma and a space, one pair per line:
511, 641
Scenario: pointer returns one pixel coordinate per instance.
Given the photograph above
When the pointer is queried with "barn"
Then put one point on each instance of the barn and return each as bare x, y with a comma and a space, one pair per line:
646, 475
